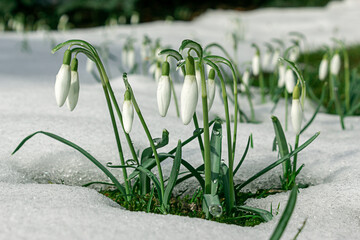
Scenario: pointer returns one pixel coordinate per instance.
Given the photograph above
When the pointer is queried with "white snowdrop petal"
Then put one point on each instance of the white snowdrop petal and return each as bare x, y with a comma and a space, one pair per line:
189, 98
255, 64
62, 84
335, 64
289, 80
128, 115
73, 95
245, 80
131, 59
198, 81
163, 95
296, 115
323, 69
90, 65
281, 81
158, 72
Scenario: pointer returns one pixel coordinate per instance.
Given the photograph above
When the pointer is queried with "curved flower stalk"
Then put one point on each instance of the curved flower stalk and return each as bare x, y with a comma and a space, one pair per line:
63, 80
189, 92
323, 68
73, 95
211, 86
128, 112
164, 90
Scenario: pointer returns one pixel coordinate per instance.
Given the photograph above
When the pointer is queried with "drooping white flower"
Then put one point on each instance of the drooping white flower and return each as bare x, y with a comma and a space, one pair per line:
266, 60
131, 58
335, 64
256, 64
296, 110
282, 70
211, 88
128, 112
323, 68
275, 58
289, 80
294, 54
245, 80
90, 66
189, 92
73, 95
198, 77
158, 71
164, 90
63, 80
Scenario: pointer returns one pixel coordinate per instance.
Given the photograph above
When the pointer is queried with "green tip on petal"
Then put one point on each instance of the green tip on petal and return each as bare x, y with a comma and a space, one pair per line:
67, 57
165, 68
158, 64
296, 92
127, 95
190, 65
212, 74
74, 64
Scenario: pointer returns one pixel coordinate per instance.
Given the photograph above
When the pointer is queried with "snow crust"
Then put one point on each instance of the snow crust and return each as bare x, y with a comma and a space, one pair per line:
41, 197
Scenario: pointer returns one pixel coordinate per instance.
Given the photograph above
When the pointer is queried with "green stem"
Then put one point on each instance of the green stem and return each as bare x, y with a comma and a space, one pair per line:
295, 155
143, 123
175, 98
347, 80
207, 161
201, 144
286, 109
262, 86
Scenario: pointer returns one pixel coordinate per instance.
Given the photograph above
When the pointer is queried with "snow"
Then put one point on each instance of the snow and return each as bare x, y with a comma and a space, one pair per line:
41, 197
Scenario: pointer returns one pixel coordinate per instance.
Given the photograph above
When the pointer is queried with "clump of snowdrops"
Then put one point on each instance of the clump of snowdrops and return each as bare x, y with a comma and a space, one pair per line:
215, 176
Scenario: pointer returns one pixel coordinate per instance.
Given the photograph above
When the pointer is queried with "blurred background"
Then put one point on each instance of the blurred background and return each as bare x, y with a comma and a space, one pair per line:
28, 15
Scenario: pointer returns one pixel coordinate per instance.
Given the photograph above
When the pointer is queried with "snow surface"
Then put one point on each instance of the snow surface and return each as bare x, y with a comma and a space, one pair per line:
33, 208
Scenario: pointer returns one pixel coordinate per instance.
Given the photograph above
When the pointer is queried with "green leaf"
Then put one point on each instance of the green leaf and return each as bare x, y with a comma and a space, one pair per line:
266, 215
193, 173
244, 154
276, 163
173, 53
154, 180
173, 175
285, 217
159, 143
226, 185
79, 149
283, 146
215, 156
187, 43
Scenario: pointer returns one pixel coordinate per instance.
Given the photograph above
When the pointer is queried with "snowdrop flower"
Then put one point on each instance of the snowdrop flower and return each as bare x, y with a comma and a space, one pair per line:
282, 70
124, 56
275, 58
189, 92
73, 95
335, 64
131, 58
323, 68
211, 88
164, 90
128, 112
245, 80
256, 64
63, 80
289, 80
296, 110
266, 59
158, 71
294, 54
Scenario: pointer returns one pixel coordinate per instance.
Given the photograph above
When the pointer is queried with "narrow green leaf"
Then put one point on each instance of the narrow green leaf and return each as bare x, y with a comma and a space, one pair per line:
283, 146
226, 185
215, 156
79, 149
173, 175
154, 180
266, 215
159, 143
285, 217
244, 154
150, 200
276, 163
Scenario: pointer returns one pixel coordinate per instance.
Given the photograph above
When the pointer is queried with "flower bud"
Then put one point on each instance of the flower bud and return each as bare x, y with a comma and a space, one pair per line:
128, 112
90, 65
296, 110
266, 59
294, 54
289, 80
158, 71
73, 95
245, 80
131, 58
211, 88
275, 58
282, 71
189, 92
63, 79
164, 90
256, 64
198, 77
323, 68
335, 64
